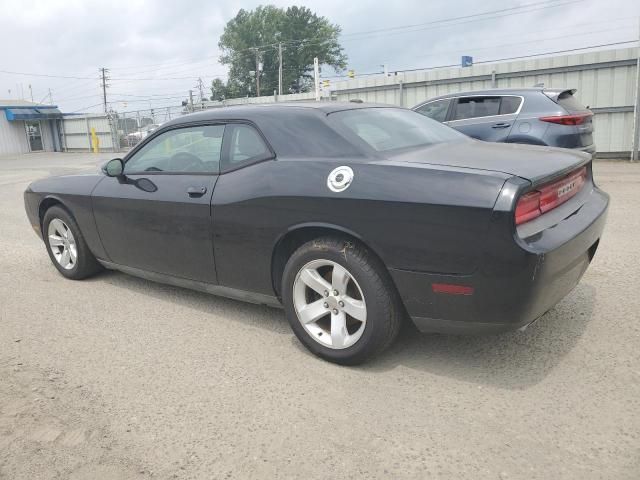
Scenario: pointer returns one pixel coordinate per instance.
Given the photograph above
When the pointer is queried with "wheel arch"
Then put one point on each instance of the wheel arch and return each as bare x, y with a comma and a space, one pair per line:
51, 201
298, 235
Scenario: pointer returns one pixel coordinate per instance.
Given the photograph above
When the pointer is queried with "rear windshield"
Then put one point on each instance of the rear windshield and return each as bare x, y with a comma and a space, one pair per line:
385, 129
570, 103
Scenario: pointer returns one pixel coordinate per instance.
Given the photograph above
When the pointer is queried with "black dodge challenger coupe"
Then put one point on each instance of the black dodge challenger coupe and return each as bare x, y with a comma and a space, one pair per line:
351, 216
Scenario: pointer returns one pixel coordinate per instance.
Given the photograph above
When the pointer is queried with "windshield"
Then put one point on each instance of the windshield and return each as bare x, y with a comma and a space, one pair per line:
385, 129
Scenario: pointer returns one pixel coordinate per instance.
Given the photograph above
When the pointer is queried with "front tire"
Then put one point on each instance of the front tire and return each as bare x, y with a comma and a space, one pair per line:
66, 246
340, 301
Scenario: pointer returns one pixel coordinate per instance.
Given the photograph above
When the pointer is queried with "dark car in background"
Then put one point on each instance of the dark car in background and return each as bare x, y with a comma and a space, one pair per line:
351, 216
535, 116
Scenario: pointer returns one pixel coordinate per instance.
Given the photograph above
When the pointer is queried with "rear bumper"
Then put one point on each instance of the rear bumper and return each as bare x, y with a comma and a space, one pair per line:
519, 279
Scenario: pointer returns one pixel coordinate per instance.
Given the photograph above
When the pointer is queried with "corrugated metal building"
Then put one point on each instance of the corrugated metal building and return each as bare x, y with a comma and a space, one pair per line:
28, 127
605, 81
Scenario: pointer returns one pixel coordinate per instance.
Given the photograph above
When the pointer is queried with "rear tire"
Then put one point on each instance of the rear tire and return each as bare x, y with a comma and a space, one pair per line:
66, 246
340, 301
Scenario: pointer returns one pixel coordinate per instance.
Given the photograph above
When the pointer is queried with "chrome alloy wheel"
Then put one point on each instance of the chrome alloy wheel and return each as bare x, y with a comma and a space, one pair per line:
329, 304
62, 243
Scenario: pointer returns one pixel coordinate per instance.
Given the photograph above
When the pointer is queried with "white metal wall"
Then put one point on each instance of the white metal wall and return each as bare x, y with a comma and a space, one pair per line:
76, 132
48, 140
605, 81
13, 136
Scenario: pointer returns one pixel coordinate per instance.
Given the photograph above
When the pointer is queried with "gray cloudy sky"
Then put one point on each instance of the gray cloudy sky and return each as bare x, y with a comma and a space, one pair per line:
144, 42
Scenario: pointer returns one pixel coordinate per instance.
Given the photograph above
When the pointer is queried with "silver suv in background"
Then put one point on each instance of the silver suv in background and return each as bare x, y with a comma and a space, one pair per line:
536, 116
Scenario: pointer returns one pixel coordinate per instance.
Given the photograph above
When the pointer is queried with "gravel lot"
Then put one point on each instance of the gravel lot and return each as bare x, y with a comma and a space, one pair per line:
119, 378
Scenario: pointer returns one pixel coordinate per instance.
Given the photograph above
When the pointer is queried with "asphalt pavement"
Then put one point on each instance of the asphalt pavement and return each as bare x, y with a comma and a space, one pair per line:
119, 378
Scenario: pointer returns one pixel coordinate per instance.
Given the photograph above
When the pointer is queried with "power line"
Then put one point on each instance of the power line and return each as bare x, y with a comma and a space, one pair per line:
569, 50
251, 50
173, 70
489, 15
31, 74
473, 49
87, 108
144, 100
554, 3
548, 3
558, 51
149, 95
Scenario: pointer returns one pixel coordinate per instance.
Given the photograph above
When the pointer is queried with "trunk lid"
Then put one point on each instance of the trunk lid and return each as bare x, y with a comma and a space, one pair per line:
534, 163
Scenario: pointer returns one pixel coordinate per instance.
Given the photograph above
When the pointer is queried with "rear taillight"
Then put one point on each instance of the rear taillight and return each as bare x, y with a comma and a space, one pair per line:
575, 119
528, 207
547, 197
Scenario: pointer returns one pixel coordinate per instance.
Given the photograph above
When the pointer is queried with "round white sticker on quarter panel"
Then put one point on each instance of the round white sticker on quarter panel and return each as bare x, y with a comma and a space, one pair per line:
340, 178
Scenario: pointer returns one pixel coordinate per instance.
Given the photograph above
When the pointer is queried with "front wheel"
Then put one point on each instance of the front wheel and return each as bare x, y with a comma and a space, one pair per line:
66, 246
340, 301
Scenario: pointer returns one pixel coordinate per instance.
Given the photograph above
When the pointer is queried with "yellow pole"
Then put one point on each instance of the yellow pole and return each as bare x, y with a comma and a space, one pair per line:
95, 141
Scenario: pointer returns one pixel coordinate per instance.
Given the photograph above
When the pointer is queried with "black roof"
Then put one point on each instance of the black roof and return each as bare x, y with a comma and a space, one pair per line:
252, 110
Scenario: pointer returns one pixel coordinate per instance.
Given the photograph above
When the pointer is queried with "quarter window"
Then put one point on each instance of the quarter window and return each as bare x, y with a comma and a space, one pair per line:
509, 105
473, 107
245, 145
436, 110
184, 150
386, 129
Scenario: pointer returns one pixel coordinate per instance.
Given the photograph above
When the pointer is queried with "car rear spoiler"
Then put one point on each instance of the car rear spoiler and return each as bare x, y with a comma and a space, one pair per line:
555, 93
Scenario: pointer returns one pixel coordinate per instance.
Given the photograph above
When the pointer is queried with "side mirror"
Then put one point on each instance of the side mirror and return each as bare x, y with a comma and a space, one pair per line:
113, 168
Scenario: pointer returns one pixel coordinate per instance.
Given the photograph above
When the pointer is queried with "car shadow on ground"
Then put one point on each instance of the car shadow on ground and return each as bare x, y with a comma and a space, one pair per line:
513, 360
260, 316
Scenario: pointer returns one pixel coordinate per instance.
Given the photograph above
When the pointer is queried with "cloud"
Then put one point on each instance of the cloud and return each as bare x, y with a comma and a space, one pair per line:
144, 39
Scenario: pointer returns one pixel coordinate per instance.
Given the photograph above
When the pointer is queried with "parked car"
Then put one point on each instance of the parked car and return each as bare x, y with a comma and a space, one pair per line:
535, 116
351, 216
134, 137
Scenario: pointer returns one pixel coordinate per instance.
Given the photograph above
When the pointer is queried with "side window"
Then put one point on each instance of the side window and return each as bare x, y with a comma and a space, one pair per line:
183, 150
245, 146
473, 107
436, 110
509, 105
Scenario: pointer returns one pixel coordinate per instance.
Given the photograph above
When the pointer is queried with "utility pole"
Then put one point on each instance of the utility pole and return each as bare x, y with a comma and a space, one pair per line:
636, 111
191, 100
279, 69
50, 97
316, 77
200, 86
257, 72
103, 72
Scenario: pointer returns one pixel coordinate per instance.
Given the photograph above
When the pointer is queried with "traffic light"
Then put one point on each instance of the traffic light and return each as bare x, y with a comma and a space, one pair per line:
351, 74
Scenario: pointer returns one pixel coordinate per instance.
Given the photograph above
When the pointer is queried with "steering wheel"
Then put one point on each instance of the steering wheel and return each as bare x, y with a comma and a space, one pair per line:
185, 162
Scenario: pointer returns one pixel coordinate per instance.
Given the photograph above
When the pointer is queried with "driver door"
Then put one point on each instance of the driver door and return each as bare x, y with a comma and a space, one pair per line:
157, 216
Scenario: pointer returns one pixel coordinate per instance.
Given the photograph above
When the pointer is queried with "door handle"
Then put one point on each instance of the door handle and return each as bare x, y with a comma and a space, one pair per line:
501, 125
196, 191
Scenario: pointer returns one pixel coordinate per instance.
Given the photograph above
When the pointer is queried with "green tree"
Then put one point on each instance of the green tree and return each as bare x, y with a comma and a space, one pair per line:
303, 35
218, 90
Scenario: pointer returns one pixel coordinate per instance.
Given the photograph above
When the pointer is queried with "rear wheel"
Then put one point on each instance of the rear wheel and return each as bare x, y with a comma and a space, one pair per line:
66, 246
339, 300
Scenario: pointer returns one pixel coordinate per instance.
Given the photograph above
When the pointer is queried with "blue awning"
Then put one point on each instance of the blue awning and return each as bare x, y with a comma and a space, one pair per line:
35, 113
